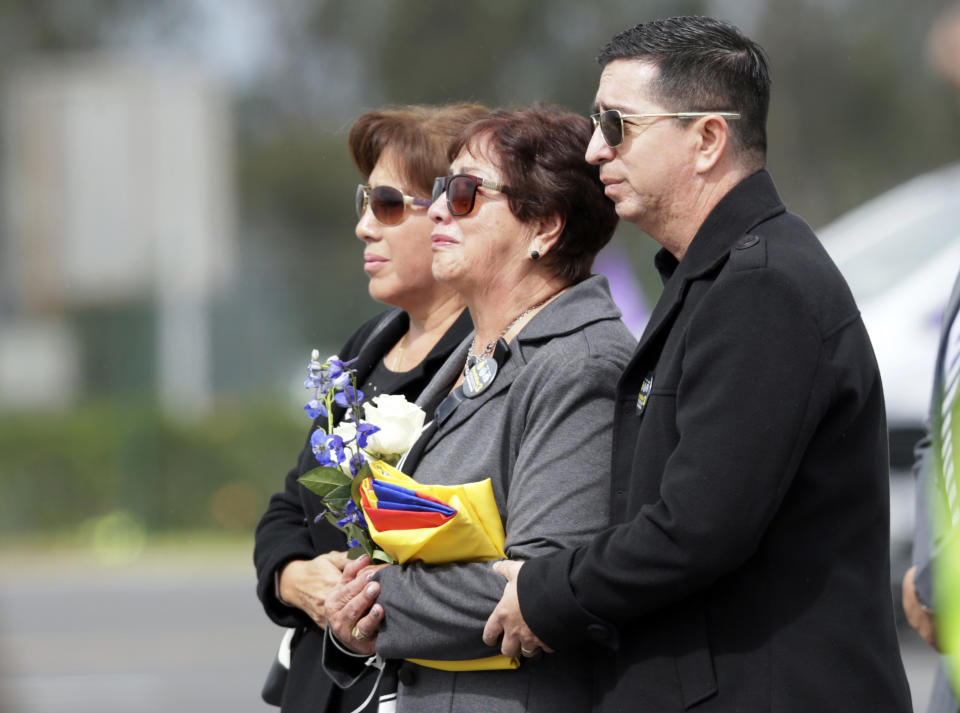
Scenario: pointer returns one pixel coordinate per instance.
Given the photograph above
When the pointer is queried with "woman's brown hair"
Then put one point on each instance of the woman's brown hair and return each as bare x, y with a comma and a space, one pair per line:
540, 154
418, 137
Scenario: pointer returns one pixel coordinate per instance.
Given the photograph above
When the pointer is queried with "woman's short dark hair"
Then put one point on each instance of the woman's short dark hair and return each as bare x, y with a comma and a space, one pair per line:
540, 154
419, 137
704, 65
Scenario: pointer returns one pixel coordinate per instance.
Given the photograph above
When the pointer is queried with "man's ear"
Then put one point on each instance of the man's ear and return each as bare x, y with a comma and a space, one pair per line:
712, 141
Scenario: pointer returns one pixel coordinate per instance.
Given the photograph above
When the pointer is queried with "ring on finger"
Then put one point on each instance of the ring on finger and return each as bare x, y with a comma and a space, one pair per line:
357, 634
527, 652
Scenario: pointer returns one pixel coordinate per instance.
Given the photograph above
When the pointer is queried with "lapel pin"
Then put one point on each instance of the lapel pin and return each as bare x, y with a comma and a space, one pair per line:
644, 394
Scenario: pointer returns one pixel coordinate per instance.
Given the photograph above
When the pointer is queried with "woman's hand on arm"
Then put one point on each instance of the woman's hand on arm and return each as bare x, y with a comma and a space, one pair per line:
306, 584
507, 619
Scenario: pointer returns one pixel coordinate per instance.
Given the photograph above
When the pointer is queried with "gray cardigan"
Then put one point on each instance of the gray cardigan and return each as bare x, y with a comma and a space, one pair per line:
542, 432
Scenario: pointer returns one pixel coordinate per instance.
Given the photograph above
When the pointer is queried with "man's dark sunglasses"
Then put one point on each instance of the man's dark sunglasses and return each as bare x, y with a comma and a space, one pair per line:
611, 121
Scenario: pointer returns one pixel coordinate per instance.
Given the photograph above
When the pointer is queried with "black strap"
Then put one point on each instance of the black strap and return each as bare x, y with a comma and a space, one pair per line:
387, 318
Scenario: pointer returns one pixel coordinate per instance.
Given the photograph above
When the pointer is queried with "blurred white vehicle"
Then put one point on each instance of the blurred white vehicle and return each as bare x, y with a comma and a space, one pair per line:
900, 253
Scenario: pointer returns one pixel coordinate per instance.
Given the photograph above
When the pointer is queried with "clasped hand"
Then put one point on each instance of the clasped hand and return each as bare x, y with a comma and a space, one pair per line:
353, 616
306, 584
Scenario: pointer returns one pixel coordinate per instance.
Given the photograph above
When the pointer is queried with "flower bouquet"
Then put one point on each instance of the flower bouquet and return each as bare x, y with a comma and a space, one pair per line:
377, 432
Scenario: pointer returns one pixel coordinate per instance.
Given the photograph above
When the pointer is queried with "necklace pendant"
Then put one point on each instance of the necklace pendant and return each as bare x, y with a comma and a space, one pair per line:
478, 374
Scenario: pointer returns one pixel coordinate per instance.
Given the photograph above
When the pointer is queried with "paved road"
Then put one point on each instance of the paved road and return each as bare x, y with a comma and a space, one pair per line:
159, 637
156, 637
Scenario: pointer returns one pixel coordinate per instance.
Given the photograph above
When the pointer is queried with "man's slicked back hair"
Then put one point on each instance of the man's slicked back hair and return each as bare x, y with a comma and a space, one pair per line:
704, 65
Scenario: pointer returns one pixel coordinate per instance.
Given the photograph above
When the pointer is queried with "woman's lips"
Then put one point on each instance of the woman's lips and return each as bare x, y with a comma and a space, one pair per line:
372, 263
441, 241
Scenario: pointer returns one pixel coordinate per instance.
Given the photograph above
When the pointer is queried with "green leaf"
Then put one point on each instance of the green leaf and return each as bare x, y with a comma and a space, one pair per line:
364, 472
356, 532
338, 498
381, 556
362, 536
324, 479
362, 475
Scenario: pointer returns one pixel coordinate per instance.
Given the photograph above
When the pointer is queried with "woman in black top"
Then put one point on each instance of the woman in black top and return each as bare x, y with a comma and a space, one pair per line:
298, 560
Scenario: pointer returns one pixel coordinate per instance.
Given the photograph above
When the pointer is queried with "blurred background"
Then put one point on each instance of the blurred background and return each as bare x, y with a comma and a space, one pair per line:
176, 234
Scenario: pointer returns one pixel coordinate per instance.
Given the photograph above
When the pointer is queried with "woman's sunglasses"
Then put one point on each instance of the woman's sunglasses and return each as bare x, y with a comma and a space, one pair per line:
461, 191
611, 121
388, 204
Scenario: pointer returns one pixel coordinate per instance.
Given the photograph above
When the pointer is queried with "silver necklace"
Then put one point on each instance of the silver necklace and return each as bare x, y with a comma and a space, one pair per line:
487, 350
481, 369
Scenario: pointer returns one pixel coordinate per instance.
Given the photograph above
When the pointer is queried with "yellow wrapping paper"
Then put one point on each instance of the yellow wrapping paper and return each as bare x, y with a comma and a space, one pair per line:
474, 534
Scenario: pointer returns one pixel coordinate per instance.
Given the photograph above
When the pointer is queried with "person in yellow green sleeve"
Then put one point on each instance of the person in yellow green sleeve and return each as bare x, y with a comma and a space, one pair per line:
931, 586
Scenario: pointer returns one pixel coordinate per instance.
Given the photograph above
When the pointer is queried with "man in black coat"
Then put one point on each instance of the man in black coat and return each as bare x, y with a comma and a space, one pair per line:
747, 568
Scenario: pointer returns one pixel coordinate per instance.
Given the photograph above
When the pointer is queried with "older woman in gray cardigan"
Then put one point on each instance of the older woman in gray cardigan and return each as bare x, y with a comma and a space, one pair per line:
526, 401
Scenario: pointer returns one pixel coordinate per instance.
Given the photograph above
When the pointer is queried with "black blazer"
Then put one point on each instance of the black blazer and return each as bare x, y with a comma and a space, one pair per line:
287, 530
748, 568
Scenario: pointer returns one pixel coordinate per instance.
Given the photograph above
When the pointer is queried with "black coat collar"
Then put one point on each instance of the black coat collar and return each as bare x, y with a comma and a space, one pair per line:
749, 203
395, 324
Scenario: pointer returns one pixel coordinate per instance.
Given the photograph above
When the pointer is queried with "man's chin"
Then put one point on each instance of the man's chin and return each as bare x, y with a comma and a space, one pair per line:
627, 211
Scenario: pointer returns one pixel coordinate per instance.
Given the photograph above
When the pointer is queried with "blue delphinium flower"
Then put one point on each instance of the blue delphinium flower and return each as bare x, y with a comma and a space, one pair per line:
315, 372
330, 380
318, 444
328, 450
315, 408
335, 366
337, 372
354, 515
337, 369
364, 431
356, 462
348, 396
335, 446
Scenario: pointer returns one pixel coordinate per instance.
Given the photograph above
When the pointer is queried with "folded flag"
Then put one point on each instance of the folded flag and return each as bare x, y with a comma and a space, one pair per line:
395, 507
436, 524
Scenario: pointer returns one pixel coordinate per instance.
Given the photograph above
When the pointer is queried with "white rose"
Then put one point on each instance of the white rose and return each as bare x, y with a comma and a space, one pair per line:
347, 430
399, 420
